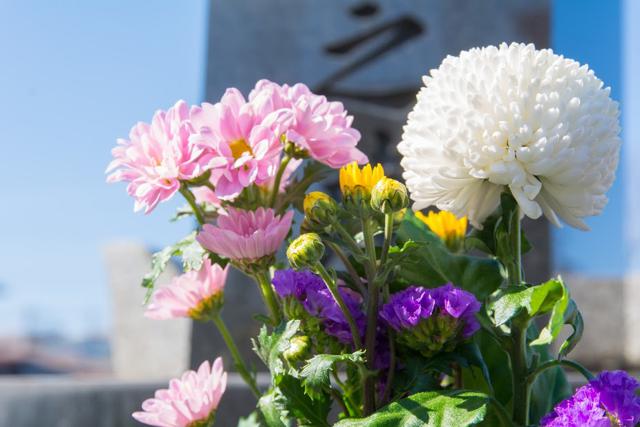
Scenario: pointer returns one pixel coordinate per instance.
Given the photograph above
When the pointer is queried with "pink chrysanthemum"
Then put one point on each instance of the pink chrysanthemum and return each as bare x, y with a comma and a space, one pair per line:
190, 401
233, 130
246, 235
157, 157
195, 294
206, 195
321, 127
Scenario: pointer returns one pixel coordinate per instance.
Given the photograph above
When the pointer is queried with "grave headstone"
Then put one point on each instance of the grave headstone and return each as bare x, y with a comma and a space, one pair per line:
141, 348
370, 55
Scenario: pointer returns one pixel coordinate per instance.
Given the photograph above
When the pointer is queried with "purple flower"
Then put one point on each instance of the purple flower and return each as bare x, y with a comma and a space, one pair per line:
312, 293
431, 320
618, 396
611, 395
405, 309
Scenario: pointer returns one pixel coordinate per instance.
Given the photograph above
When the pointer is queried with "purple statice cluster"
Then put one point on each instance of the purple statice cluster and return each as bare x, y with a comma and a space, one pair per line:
432, 320
609, 400
309, 290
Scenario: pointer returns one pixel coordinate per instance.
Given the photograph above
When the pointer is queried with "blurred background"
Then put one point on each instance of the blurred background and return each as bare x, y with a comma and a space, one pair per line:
77, 75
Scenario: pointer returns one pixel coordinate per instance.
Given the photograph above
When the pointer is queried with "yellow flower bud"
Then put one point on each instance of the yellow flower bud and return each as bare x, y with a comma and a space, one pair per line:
389, 196
356, 184
298, 348
320, 209
306, 251
446, 226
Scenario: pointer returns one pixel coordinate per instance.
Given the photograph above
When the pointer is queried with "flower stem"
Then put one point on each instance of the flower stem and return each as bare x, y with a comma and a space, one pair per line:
372, 317
515, 268
347, 264
241, 367
392, 367
388, 235
518, 348
184, 190
262, 278
333, 288
521, 387
276, 184
350, 241
559, 362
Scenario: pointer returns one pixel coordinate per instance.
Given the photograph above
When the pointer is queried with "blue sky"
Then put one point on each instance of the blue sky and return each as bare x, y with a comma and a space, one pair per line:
74, 76
77, 75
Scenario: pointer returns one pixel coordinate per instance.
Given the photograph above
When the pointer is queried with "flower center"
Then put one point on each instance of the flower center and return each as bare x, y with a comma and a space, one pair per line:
239, 147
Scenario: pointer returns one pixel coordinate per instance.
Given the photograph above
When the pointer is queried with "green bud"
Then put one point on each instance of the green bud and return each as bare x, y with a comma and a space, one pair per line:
295, 151
305, 251
298, 348
320, 209
389, 196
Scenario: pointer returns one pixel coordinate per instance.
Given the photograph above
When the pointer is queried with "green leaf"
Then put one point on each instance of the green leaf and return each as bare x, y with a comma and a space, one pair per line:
188, 248
477, 371
457, 408
316, 373
427, 262
270, 405
556, 320
572, 317
509, 302
252, 420
308, 411
497, 362
415, 375
271, 346
497, 224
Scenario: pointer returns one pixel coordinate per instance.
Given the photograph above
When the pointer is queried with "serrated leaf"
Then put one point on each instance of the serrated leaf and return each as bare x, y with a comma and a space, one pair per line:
508, 302
308, 411
316, 373
188, 248
458, 408
429, 263
270, 405
269, 347
192, 256
252, 420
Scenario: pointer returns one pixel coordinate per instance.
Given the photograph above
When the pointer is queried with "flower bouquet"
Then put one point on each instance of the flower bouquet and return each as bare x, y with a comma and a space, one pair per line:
380, 315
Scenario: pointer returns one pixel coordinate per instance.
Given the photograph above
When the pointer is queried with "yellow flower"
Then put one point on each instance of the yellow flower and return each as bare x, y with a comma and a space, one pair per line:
446, 226
355, 181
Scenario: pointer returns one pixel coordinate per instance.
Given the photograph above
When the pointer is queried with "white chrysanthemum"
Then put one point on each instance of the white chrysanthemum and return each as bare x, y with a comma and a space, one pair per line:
512, 116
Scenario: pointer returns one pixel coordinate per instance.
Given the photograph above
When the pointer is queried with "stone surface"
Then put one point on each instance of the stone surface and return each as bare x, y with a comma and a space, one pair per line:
631, 312
370, 55
68, 402
141, 349
601, 302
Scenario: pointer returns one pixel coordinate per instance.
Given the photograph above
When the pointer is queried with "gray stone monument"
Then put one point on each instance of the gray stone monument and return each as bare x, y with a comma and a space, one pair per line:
370, 55
141, 348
